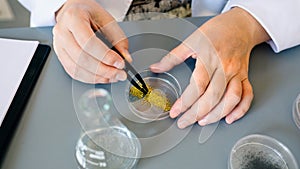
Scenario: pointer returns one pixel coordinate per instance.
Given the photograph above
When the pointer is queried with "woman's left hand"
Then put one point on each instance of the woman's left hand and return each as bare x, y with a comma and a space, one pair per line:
219, 86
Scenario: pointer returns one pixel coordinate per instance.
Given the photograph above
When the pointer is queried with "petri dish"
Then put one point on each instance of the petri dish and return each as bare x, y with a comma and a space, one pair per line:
108, 148
260, 152
296, 111
165, 90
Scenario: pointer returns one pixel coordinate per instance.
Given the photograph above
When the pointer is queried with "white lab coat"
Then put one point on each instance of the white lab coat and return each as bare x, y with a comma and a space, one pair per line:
280, 18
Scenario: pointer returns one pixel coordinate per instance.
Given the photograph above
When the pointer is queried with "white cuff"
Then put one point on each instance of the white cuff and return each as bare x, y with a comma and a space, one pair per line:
280, 19
42, 13
117, 8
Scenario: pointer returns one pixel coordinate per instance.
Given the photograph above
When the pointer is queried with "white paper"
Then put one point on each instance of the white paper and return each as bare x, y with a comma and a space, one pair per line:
15, 56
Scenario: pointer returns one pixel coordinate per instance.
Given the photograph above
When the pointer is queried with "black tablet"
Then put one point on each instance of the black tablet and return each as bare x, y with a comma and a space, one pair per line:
15, 111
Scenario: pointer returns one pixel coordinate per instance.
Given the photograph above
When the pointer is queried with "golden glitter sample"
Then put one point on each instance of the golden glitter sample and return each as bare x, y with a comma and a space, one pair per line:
154, 97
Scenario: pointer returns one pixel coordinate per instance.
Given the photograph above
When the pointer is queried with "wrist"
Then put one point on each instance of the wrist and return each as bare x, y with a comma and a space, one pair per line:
237, 25
67, 4
255, 29
57, 13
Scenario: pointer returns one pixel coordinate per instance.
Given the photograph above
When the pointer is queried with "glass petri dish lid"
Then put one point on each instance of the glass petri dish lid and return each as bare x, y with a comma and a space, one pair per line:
164, 90
108, 148
260, 152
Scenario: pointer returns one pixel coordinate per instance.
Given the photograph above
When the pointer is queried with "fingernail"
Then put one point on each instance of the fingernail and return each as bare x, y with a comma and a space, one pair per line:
127, 55
119, 64
154, 68
182, 124
174, 111
202, 122
121, 76
229, 120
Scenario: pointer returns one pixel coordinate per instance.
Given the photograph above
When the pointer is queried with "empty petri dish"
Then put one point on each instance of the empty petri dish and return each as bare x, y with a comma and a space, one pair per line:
261, 152
296, 111
108, 148
164, 90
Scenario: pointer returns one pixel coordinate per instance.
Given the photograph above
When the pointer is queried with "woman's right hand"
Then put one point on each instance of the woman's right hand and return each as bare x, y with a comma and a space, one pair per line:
84, 56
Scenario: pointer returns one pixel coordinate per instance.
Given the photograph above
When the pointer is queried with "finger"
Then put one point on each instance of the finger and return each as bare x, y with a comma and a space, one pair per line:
88, 63
206, 102
175, 57
62, 55
244, 105
85, 61
92, 65
81, 29
76, 72
229, 101
57, 44
194, 90
115, 35
122, 47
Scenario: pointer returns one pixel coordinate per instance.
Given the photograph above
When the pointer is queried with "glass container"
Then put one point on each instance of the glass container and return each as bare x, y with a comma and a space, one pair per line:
261, 152
105, 142
164, 91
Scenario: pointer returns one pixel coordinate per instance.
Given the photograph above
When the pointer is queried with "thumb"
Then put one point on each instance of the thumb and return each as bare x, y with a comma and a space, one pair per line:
175, 57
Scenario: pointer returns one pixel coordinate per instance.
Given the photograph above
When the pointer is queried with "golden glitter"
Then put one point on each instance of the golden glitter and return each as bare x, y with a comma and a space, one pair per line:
154, 97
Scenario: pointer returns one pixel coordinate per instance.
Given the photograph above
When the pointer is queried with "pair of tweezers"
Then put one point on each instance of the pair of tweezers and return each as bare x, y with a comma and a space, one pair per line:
133, 76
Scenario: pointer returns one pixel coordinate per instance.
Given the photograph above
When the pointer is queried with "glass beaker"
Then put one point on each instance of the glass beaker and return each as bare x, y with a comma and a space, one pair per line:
296, 111
105, 142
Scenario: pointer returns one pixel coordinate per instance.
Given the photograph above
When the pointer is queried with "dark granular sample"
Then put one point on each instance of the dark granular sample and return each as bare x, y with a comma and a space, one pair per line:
259, 160
260, 163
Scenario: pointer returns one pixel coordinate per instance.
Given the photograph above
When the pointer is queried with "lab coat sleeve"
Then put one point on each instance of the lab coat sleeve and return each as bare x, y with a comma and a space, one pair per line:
43, 12
117, 11
280, 19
